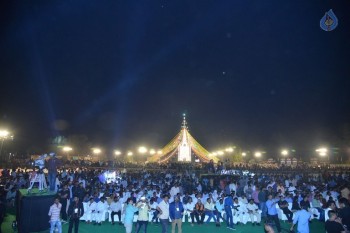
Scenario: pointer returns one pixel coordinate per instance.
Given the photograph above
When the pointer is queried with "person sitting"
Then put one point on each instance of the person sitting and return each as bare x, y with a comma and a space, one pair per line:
283, 204
219, 209
209, 208
239, 210
253, 211
11, 196
316, 203
90, 210
295, 204
190, 209
101, 208
116, 208
199, 211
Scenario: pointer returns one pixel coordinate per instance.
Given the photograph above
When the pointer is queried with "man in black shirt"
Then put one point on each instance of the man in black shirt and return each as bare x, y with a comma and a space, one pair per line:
283, 204
65, 196
344, 212
75, 211
333, 224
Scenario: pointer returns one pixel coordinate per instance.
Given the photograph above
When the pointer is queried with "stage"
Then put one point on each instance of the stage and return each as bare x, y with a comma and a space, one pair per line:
32, 210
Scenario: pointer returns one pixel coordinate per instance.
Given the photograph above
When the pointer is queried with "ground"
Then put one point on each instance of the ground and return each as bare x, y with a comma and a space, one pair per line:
315, 227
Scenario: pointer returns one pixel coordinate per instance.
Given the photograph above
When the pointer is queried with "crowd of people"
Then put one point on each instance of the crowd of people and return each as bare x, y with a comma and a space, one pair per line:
156, 196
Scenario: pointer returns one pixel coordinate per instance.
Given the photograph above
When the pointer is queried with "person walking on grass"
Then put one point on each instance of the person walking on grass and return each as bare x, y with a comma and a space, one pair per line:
54, 214
176, 211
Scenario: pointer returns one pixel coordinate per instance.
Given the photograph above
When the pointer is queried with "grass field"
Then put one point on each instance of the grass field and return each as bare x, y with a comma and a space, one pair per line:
315, 227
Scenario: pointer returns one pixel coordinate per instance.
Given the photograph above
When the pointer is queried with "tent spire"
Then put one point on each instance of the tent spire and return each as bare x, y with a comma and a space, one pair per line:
184, 122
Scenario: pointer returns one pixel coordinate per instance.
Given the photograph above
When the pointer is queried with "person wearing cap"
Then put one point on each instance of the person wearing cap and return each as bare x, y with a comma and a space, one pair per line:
176, 211
75, 211
253, 211
142, 219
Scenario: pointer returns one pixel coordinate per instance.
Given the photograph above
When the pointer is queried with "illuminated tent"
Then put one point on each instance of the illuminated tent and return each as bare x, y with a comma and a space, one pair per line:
182, 146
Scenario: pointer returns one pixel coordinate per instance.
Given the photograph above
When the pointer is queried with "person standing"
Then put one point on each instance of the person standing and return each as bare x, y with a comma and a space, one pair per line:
163, 216
52, 167
272, 211
333, 224
75, 211
65, 196
176, 211
142, 220
344, 212
228, 203
129, 212
262, 202
302, 217
54, 214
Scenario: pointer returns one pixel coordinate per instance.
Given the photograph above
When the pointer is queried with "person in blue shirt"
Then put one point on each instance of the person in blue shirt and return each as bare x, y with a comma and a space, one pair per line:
272, 211
228, 203
176, 211
130, 210
302, 217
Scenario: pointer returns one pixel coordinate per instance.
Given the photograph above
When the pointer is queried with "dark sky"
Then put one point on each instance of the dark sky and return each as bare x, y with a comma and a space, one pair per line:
260, 74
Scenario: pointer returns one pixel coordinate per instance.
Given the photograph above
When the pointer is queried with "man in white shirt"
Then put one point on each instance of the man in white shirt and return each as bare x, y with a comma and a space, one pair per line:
163, 216
331, 206
239, 210
189, 209
90, 210
116, 208
253, 211
209, 208
54, 214
100, 211
232, 186
174, 190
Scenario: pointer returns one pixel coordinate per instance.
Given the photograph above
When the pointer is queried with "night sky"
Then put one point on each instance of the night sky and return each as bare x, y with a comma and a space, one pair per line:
258, 74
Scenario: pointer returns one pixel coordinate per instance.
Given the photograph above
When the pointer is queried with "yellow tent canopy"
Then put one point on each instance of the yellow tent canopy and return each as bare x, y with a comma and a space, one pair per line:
172, 148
